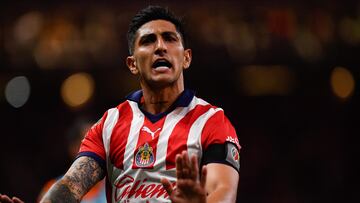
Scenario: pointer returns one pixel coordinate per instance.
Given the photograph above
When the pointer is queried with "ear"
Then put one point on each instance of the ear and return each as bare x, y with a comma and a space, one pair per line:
187, 58
131, 63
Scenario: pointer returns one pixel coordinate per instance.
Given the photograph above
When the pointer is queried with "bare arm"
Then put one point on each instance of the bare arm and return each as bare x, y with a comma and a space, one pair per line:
221, 183
84, 173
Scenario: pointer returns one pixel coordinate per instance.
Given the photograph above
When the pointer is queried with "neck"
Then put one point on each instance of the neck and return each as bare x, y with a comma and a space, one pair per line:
159, 100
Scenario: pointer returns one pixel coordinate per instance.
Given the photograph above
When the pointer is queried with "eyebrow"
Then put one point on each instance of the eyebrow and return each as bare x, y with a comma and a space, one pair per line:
146, 36
170, 34
166, 33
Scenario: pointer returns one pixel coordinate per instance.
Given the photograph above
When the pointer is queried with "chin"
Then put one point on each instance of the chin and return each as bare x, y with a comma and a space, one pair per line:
161, 83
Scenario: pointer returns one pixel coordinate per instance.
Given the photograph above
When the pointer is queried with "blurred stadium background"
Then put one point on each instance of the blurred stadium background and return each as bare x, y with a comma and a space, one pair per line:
285, 72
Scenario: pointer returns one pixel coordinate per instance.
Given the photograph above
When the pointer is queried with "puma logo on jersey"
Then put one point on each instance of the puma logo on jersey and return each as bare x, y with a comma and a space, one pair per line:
146, 129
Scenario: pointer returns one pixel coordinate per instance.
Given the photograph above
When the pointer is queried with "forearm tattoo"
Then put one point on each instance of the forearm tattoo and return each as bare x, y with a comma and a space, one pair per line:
60, 193
82, 175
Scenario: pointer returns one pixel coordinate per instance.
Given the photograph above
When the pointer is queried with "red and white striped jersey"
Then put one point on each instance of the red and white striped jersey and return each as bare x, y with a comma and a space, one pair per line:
137, 149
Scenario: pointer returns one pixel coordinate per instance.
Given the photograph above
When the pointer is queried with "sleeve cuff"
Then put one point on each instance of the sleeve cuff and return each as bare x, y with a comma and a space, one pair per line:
96, 157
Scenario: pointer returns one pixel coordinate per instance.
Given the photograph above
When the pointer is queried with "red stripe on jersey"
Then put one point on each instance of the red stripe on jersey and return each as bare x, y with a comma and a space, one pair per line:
179, 136
92, 141
217, 130
149, 134
121, 131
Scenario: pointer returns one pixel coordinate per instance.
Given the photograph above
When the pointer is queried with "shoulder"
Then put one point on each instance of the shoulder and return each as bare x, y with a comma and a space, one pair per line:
114, 112
202, 101
215, 113
218, 127
197, 101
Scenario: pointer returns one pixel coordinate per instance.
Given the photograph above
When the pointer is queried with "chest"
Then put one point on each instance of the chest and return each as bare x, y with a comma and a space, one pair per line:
141, 144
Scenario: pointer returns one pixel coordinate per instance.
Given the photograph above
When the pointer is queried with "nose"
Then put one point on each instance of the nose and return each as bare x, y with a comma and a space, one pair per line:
160, 47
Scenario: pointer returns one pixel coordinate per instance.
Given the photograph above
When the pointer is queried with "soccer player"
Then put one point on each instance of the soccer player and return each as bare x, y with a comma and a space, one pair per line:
163, 144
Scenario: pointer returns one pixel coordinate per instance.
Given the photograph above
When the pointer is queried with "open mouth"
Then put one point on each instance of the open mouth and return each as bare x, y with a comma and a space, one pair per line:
161, 63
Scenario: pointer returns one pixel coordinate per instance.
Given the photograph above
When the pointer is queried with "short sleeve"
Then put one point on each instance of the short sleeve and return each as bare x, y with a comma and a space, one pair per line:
218, 130
92, 144
220, 142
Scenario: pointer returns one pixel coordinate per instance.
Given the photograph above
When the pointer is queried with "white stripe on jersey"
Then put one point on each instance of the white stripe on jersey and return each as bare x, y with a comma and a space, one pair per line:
136, 123
109, 124
194, 139
171, 120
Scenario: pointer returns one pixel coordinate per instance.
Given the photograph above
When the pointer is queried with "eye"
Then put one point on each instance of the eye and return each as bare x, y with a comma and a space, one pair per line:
170, 37
147, 39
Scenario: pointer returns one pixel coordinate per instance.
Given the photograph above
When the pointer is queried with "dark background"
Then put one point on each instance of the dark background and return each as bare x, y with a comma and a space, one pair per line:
268, 64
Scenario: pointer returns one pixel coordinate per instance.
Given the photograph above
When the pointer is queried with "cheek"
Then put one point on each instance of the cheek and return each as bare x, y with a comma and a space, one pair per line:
179, 53
141, 58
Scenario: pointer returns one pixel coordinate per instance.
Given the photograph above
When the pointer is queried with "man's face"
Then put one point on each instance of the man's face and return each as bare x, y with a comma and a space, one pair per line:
159, 56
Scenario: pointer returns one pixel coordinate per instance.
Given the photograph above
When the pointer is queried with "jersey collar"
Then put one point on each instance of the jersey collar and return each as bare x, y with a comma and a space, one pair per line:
182, 101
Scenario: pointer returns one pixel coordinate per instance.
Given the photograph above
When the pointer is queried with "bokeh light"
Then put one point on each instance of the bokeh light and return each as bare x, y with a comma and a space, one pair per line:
240, 41
257, 80
17, 91
28, 27
308, 46
77, 89
349, 30
60, 45
342, 82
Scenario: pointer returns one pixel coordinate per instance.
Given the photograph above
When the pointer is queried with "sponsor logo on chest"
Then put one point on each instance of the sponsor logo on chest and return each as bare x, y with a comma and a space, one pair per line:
128, 188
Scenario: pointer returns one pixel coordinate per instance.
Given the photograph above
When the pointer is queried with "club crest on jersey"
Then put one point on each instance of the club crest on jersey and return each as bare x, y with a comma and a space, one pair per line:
145, 156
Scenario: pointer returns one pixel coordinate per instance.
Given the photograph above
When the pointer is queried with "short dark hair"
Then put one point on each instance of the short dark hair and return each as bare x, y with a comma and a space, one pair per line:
151, 13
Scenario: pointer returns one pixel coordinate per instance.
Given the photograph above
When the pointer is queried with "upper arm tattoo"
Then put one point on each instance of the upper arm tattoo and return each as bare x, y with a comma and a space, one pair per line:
84, 173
